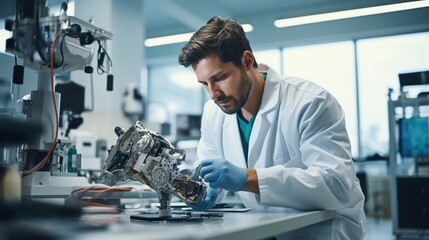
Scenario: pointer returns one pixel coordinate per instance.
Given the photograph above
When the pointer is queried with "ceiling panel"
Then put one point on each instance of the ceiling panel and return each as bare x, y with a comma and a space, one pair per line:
166, 17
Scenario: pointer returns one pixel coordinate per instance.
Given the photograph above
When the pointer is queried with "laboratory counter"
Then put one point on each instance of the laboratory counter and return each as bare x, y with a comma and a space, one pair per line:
101, 225
233, 225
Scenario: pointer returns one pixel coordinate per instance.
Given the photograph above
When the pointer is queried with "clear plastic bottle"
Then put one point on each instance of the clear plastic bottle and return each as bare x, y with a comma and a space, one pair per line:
12, 184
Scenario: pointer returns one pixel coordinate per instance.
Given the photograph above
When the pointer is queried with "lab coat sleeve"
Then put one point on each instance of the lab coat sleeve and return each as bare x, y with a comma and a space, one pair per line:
328, 180
207, 145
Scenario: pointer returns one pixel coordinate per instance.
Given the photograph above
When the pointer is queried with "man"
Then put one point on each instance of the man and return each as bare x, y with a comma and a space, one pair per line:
275, 140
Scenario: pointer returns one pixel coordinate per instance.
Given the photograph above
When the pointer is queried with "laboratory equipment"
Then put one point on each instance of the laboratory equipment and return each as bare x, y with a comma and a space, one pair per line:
413, 78
409, 160
414, 137
188, 127
133, 105
145, 156
51, 45
72, 105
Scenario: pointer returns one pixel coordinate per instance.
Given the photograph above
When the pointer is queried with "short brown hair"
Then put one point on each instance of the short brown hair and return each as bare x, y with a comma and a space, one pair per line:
223, 37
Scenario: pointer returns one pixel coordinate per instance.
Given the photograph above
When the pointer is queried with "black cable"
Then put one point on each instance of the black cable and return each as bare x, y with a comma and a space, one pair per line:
100, 58
40, 43
16, 60
61, 51
62, 55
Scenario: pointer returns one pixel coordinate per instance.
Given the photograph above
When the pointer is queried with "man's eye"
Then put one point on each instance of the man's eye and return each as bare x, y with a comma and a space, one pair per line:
217, 79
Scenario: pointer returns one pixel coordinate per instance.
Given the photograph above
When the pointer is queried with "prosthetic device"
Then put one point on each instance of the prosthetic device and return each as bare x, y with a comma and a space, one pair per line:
145, 156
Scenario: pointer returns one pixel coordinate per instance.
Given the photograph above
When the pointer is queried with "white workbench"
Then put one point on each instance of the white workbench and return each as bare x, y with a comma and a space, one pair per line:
234, 225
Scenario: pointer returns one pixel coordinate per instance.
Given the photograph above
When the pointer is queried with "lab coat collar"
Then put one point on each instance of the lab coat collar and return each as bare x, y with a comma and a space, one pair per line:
232, 145
266, 118
271, 92
260, 128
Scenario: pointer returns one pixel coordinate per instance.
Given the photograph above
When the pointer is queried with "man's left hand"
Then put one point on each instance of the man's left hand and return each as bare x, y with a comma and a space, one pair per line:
220, 173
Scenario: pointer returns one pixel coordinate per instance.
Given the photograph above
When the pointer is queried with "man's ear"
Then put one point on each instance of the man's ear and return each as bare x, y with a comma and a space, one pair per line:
247, 59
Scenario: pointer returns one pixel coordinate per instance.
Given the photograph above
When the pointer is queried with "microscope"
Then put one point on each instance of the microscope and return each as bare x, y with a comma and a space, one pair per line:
54, 45
51, 45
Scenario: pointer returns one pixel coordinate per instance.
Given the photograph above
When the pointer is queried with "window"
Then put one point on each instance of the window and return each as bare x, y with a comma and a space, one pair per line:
380, 60
271, 58
173, 89
332, 67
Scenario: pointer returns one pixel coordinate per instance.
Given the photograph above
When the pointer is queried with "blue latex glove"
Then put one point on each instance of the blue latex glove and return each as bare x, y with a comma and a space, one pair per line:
220, 173
208, 202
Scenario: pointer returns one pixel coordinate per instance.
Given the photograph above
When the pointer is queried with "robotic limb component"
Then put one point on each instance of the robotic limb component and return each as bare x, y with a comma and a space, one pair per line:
145, 156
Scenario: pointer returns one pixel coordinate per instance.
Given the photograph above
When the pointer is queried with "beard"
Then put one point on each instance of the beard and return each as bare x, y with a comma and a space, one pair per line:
235, 104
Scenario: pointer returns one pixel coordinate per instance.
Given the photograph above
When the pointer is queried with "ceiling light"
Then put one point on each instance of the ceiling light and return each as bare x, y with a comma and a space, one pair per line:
247, 27
324, 17
184, 37
158, 41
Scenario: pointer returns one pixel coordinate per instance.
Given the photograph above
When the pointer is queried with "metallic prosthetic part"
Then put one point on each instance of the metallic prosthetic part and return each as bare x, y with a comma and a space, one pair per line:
145, 156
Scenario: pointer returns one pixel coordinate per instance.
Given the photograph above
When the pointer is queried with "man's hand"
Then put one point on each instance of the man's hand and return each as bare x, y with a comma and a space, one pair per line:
220, 173
208, 202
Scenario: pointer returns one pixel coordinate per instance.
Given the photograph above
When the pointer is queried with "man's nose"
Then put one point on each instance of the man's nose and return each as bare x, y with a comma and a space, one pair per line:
213, 91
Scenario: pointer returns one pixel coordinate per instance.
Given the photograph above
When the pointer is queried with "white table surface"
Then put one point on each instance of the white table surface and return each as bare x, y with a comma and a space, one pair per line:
233, 225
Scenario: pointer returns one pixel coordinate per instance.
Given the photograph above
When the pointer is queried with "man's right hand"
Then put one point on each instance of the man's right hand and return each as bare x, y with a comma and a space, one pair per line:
208, 202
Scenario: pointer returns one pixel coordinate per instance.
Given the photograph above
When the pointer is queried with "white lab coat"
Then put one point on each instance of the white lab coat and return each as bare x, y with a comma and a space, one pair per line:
301, 152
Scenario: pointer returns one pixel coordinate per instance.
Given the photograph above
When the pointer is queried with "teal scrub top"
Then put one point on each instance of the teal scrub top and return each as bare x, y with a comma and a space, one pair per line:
245, 131
246, 128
